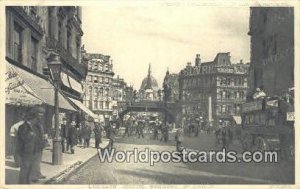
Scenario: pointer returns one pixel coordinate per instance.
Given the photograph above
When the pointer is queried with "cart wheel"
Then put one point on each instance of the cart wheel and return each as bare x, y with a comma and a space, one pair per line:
247, 141
260, 144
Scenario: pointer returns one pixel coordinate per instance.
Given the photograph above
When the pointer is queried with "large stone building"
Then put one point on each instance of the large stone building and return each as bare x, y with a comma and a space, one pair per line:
98, 84
122, 94
214, 90
272, 49
149, 88
33, 35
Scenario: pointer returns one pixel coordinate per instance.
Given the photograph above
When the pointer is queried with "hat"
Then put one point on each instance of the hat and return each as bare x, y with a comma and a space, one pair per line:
33, 112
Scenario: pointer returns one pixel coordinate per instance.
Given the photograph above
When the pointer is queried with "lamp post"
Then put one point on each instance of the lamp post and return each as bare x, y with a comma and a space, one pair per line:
54, 65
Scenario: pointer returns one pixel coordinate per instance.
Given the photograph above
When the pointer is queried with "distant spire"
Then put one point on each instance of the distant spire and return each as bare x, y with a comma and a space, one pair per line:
149, 81
149, 70
168, 71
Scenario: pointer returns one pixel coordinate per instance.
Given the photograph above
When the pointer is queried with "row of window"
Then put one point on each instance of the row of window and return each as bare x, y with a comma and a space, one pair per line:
69, 39
223, 81
98, 66
228, 109
230, 81
99, 79
18, 43
231, 95
259, 119
97, 105
20, 40
98, 92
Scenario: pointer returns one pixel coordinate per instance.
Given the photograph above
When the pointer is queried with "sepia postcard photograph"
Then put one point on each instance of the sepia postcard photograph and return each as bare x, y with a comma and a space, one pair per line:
149, 94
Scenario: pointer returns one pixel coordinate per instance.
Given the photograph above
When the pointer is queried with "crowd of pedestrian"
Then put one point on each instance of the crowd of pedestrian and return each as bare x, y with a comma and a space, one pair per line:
138, 126
80, 134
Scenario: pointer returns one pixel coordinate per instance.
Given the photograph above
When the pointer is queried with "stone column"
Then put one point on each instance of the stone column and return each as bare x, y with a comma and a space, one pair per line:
209, 109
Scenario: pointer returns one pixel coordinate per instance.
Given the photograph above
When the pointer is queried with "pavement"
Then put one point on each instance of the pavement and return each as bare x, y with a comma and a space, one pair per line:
54, 173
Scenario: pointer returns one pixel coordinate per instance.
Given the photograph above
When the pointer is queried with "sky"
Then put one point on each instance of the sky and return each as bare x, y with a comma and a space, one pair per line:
165, 36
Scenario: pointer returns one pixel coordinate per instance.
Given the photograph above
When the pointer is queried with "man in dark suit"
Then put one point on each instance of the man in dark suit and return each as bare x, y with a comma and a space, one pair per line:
86, 134
64, 131
98, 132
30, 146
73, 136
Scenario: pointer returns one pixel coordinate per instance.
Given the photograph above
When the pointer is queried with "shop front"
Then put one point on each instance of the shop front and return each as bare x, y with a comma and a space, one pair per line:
24, 90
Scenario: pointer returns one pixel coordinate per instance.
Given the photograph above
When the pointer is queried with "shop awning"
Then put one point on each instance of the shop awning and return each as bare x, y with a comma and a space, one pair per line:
71, 83
237, 119
39, 88
84, 108
17, 92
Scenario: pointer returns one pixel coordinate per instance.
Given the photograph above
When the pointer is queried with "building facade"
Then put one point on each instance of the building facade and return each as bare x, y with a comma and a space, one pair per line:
98, 84
34, 32
122, 94
214, 90
272, 49
32, 35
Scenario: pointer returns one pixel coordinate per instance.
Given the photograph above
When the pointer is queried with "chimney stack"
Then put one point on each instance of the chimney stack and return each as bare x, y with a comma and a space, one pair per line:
197, 60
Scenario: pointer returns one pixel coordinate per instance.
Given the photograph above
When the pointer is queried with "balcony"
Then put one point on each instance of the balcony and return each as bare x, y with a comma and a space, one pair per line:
66, 56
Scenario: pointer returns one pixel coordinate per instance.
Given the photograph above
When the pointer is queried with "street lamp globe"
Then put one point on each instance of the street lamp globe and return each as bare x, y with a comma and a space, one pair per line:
54, 66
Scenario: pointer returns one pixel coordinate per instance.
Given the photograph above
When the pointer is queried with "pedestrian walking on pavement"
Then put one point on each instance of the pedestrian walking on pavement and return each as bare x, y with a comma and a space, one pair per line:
126, 128
155, 130
98, 133
30, 145
64, 130
140, 128
164, 133
224, 137
72, 136
179, 139
86, 134
79, 133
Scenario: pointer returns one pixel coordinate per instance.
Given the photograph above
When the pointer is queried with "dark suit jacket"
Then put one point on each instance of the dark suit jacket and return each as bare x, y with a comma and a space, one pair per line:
64, 131
97, 131
30, 139
73, 135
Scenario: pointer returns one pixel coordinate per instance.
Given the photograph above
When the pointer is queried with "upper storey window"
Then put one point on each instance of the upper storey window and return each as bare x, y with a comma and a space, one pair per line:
17, 49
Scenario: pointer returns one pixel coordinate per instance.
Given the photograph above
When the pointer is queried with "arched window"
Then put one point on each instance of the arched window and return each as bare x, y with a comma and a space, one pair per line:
100, 67
101, 91
107, 91
228, 95
107, 105
96, 92
237, 95
223, 96
242, 95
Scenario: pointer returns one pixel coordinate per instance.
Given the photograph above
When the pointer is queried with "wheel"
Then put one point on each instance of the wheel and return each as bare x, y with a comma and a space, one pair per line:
260, 144
247, 141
